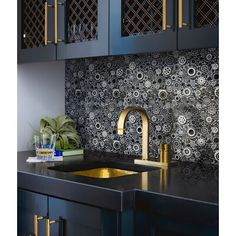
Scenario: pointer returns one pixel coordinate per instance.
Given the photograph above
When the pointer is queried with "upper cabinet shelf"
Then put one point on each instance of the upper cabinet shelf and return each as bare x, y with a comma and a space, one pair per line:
65, 29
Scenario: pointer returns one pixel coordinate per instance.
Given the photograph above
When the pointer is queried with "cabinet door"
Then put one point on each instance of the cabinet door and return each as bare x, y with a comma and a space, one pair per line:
150, 224
31, 31
82, 220
83, 27
198, 24
29, 205
142, 26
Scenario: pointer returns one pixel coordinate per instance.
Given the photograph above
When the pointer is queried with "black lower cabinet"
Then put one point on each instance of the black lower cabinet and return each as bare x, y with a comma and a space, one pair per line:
150, 224
60, 217
40, 215
73, 219
31, 205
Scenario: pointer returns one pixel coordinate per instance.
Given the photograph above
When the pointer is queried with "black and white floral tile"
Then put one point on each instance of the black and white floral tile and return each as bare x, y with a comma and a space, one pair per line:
179, 90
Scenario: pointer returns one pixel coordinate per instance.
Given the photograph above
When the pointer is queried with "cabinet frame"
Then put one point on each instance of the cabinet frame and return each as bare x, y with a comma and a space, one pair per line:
190, 37
46, 53
160, 41
99, 47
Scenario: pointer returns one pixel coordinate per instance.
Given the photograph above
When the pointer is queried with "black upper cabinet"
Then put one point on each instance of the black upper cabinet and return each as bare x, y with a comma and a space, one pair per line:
198, 23
83, 28
32, 29
142, 26
65, 29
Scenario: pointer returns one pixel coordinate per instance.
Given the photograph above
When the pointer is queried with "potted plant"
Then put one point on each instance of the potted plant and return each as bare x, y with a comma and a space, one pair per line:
67, 138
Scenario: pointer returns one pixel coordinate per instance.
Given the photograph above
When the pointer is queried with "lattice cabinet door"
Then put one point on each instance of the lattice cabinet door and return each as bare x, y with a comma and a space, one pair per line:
32, 23
83, 28
138, 26
198, 23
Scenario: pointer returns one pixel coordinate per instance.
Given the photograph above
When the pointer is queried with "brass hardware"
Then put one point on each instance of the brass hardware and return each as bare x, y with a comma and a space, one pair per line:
56, 3
161, 153
164, 16
165, 148
165, 159
46, 41
166, 153
145, 127
103, 173
36, 221
48, 224
181, 23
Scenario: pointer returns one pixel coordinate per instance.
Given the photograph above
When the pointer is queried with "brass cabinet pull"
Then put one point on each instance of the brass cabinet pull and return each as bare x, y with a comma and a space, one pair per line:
56, 3
36, 221
48, 224
164, 15
181, 23
46, 41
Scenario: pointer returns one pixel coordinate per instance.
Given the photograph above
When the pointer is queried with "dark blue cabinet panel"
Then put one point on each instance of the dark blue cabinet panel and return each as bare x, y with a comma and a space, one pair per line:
198, 27
114, 27
30, 204
150, 224
31, 31
82, 220
139, 27
83, 28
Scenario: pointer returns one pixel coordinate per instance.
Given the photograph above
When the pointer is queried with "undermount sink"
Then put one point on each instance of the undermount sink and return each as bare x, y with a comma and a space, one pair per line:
102, 170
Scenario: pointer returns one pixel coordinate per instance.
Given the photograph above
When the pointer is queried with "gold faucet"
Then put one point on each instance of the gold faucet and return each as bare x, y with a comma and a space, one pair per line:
145, 127
164, 148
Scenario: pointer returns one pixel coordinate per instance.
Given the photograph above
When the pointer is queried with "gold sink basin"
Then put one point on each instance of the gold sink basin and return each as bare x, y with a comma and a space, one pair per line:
102, 169
104, 173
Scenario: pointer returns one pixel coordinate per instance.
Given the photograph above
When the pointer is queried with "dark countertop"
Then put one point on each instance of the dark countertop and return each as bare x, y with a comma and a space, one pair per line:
188, 186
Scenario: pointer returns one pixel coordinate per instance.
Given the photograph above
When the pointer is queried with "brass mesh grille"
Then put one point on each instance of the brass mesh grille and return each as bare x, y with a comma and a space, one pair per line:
33, 23
83, 20
207, 12
141, 16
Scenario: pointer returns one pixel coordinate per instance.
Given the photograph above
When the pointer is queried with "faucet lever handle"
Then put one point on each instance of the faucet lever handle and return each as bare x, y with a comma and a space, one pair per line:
165, 153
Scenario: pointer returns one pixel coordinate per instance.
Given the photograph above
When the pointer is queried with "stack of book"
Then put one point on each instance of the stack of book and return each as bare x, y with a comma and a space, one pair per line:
68, 152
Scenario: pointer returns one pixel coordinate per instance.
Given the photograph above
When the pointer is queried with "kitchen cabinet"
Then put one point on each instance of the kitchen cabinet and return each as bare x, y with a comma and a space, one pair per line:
31, 205
142, 26
152, 224
62, 29
66, 29
162, 25
31, 31
83, 27
66, 218
198, 25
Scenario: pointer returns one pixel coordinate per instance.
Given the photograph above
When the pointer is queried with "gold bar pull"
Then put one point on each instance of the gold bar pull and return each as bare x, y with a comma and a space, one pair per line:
48, 224
36, 221
164, 15
46, 41
56, 3
181, 23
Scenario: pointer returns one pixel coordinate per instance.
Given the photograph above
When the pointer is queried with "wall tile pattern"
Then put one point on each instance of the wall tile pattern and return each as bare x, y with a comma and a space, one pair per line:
179, 90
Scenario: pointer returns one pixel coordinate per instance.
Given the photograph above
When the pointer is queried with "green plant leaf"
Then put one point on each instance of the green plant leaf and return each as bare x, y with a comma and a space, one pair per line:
64, 121
64, 128
47, 121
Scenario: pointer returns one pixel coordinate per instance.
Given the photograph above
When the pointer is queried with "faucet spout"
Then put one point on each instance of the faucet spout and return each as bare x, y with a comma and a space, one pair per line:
145, 127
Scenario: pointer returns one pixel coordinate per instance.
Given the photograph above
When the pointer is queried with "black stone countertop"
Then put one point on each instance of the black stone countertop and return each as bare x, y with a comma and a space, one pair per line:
189, 187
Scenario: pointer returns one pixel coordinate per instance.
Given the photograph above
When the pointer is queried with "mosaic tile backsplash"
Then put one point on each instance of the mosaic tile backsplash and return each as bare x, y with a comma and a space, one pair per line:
179, 90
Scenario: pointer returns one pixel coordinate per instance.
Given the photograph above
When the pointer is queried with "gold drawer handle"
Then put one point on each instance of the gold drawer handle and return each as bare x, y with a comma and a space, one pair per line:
181, 23
164, 15
36, 221
56, 4
48, 224
46, 41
